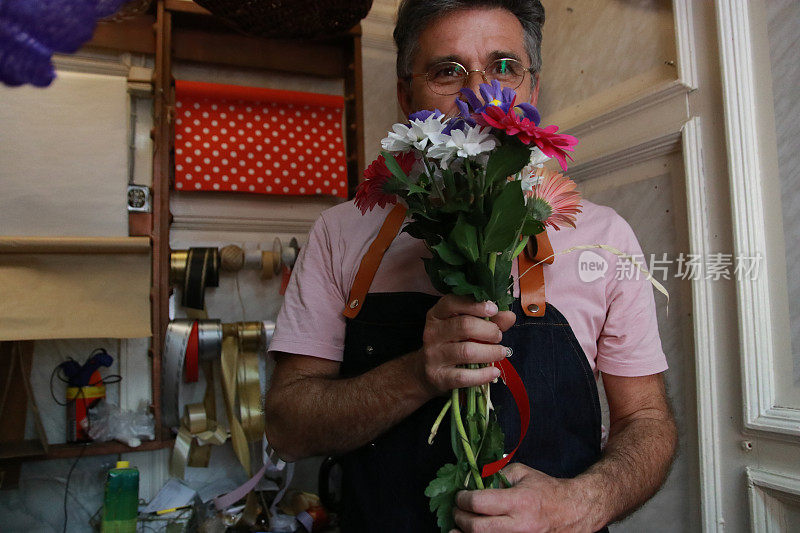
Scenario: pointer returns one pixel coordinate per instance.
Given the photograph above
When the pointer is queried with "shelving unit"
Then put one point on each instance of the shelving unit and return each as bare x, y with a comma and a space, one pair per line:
181, 30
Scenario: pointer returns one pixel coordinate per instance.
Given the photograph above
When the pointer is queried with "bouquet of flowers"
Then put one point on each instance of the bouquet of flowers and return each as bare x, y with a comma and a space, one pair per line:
476, 191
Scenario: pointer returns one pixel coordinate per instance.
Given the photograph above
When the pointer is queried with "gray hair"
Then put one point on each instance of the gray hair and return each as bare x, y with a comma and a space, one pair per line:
414, 15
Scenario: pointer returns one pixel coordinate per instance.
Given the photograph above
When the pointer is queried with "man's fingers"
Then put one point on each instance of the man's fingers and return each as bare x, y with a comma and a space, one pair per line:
504, 319
463, 328
475, 523
485, 502
515, 472
452, 304
457, 378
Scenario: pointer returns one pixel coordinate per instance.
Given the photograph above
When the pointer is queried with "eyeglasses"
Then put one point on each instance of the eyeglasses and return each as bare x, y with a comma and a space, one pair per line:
448, 78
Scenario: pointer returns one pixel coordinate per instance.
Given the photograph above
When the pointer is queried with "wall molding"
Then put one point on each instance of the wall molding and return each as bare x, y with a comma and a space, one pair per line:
766, 509
632, 155
755, 312
685, 43
619, 102
190, 222
705, 331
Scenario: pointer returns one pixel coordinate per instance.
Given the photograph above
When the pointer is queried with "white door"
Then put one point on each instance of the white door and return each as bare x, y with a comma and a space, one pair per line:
673, 106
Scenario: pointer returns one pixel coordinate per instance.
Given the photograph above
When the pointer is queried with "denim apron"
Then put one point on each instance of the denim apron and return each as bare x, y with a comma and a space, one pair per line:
383, 482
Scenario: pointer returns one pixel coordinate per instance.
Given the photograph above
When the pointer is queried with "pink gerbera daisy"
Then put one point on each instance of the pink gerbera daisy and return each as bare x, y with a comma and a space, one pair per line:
551, 144
372, 191
554, 201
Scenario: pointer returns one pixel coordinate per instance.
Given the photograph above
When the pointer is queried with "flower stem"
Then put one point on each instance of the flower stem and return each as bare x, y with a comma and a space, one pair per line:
464, 441
431, 175
438, 421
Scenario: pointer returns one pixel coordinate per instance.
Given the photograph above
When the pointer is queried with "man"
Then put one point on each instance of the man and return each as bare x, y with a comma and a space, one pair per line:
368, 388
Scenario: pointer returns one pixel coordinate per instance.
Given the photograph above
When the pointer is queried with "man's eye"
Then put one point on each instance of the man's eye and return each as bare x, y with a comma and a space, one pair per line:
445, 72
505, 67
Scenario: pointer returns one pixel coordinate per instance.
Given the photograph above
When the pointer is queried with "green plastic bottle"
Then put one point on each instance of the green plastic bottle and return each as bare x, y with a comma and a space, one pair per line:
121, 502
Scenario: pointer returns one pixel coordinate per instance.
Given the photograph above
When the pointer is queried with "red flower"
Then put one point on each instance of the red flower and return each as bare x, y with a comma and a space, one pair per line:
371, 191
551, 144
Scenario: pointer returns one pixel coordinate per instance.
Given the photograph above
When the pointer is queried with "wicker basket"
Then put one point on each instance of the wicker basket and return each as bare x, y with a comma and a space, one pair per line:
289, 18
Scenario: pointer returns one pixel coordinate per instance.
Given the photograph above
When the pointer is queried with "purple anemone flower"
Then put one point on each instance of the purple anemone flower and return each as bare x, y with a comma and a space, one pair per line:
31, 31
493, 94
423, 115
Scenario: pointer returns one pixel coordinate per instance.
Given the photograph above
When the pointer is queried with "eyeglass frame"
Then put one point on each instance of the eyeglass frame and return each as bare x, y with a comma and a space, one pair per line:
467, 72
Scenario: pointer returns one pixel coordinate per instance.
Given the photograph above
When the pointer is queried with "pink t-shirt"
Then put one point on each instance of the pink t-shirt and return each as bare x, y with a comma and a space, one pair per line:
611, 312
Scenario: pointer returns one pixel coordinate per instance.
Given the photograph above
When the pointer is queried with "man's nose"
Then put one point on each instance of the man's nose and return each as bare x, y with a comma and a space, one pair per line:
474, 79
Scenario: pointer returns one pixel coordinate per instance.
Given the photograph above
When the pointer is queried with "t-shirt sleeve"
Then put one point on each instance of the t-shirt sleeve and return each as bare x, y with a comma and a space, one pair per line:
629, 344
310, 321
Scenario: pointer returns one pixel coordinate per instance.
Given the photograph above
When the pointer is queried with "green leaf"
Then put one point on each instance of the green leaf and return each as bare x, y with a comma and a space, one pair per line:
448, 253
413, 188
394, 167
458, 283
532, 226
493, 444
519, 248
449, 183
466, 238
508, 212
442, 493
502, 277
434, 268
506, 161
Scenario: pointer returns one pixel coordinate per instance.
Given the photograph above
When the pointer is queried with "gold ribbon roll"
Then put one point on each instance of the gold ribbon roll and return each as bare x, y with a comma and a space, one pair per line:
241, 386
177, 266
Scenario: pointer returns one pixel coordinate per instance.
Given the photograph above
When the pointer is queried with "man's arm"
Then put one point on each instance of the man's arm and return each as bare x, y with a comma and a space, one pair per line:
311, 411
635, 462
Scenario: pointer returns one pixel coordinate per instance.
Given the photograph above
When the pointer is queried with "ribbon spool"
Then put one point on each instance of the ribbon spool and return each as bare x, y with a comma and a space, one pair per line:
273, 262
188, 346
193, 270
241, 385
237, 346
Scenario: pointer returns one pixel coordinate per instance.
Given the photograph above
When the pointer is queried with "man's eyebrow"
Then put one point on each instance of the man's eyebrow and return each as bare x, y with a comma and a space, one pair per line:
444, 59
504, 54
496, 54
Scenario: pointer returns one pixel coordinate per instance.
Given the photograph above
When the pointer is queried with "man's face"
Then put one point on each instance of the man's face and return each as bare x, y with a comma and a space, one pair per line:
474, 38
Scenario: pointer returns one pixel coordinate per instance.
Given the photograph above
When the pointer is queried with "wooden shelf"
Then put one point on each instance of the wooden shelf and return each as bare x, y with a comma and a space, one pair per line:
32, 449
74, 245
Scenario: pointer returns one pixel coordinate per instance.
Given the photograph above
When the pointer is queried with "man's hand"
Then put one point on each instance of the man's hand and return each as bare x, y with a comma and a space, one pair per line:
535, 502
310, 410
456, 333
634, 464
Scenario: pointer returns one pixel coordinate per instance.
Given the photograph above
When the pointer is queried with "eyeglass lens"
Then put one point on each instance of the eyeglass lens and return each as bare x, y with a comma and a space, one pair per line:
449, 77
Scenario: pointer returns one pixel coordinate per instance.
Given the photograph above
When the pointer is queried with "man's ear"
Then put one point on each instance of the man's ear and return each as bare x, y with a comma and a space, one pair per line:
535, 92
404, 96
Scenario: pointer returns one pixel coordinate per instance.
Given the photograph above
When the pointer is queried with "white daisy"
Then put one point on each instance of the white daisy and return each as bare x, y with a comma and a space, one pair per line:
419, 135
472, 143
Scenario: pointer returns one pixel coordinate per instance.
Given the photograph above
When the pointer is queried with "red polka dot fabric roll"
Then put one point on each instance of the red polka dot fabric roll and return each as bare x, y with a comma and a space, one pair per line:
248, 139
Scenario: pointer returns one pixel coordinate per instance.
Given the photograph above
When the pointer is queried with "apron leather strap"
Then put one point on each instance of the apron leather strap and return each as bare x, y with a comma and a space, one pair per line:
372, 259
531, 285
531, 281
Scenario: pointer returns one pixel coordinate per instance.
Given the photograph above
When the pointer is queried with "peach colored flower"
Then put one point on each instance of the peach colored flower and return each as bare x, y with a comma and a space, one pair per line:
554, 200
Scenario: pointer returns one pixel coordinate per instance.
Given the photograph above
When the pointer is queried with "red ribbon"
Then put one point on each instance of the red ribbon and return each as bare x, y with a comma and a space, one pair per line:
520, 395
192, 346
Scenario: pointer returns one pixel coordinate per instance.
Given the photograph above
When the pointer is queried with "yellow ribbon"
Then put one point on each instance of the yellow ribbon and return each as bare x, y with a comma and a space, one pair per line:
241, 386
198, 430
